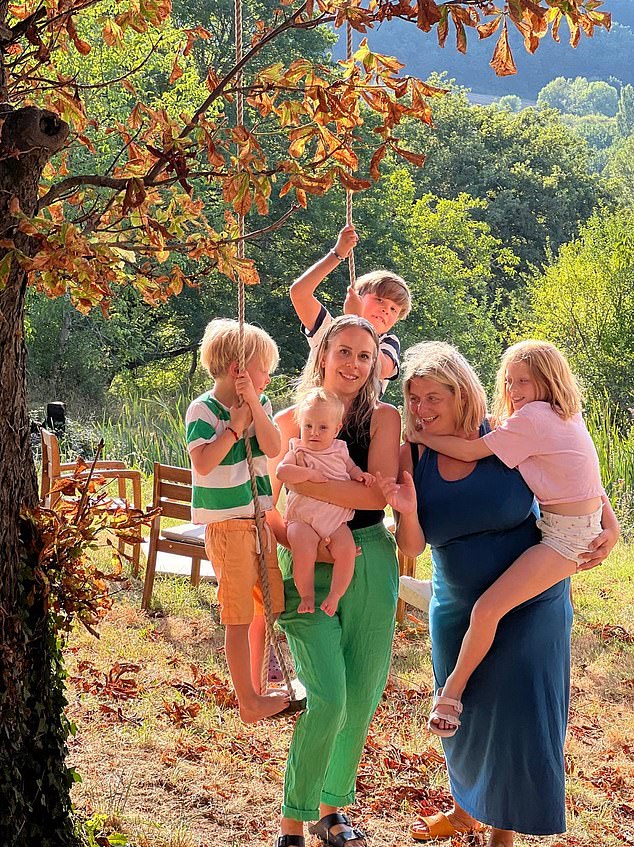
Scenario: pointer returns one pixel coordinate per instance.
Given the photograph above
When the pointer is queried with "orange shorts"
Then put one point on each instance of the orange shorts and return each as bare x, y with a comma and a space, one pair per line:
232, 549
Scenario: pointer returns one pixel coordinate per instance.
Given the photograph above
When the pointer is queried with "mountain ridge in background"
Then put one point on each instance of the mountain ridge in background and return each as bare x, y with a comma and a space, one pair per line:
607, 56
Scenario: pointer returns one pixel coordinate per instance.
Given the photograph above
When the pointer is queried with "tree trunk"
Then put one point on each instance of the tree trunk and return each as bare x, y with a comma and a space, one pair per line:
34, 782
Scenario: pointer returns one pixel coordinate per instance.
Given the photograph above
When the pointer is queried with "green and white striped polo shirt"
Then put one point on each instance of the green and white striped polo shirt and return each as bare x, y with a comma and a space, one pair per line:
226, 491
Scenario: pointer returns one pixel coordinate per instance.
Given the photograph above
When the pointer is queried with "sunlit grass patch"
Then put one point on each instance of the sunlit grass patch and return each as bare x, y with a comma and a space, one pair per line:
167, 758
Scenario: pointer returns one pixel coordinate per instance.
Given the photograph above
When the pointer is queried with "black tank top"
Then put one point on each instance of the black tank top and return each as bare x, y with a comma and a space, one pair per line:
358, 441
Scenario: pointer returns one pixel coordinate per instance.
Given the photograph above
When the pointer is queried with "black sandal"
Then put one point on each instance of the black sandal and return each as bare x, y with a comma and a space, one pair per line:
322, 829
290, 841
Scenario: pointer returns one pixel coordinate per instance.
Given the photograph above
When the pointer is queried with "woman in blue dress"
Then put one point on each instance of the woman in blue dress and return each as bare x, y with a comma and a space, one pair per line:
506, 765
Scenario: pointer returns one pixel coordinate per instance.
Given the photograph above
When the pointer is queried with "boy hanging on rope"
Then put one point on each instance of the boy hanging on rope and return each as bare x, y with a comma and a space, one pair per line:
222, 498
381, 297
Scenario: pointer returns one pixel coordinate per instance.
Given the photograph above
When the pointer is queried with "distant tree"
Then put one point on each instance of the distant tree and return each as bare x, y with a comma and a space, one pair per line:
531, 169
620, 169
510, 102
556, 95
599, 131
625, 112
599, 98
584, 302
579, 97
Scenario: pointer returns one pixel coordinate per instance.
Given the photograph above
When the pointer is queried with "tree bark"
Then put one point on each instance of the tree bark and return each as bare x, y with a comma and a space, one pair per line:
34, 783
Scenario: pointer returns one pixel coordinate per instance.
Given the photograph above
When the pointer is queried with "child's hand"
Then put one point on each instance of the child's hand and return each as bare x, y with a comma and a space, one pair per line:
352, 304
366, 478
246, 390
346, 241
401, 497
241, 417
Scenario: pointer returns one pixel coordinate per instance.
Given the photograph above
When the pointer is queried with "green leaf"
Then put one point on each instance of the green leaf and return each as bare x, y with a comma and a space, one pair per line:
5, 269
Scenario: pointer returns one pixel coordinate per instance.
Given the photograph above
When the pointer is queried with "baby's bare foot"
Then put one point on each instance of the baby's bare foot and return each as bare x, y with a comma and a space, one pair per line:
264, 706
307, 606
330, 604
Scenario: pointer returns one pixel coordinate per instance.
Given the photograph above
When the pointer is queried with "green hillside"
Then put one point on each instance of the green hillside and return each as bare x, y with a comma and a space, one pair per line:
607, 56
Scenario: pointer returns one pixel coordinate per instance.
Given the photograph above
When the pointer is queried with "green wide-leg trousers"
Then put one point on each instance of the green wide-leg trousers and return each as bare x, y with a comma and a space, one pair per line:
343, 662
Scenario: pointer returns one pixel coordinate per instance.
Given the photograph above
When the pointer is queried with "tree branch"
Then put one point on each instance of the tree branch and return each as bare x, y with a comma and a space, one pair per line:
290, 23
63, 187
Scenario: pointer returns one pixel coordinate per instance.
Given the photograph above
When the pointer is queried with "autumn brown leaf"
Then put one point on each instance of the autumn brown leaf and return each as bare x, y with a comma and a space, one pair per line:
487, 29
177, 71
502, 61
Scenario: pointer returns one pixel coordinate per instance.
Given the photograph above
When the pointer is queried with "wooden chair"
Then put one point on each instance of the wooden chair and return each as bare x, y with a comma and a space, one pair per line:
173, 496
53, 469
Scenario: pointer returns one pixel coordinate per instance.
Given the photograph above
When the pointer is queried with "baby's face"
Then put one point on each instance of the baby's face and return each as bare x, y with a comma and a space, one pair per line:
318, 426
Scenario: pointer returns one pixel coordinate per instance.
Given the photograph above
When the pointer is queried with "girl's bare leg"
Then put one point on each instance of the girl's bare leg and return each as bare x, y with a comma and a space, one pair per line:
343, 551
257, 638
304, 542
539, 568
253, 705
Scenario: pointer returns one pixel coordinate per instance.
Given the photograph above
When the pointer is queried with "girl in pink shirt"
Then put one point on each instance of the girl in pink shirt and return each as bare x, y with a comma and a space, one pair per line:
541, 432
318, 456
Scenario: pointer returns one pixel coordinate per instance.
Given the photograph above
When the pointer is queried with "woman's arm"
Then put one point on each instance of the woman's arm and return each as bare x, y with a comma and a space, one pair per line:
285, 421
401, 495
605, 541
385, 431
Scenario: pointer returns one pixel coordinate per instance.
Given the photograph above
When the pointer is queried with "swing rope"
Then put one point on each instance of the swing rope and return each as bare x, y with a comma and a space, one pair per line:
263, 534
351, 267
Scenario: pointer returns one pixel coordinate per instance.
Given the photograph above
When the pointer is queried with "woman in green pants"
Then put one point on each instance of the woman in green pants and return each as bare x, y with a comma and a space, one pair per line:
343, 661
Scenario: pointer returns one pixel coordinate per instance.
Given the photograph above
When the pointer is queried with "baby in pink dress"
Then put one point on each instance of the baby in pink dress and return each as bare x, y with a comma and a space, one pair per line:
319, 456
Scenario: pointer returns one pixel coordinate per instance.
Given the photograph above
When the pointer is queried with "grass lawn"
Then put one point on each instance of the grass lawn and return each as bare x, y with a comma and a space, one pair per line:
165, 760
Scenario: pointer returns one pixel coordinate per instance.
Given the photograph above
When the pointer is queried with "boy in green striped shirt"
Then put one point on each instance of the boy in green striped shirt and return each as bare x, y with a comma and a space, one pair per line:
222, 498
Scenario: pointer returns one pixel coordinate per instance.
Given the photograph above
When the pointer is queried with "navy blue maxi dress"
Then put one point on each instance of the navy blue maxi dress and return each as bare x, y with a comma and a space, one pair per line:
506, 762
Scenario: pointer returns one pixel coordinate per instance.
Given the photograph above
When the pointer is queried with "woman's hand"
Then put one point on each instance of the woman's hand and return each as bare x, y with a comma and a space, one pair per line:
402, 498
600, 548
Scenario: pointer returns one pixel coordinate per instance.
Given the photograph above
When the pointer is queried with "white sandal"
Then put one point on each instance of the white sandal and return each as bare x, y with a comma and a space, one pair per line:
436, 715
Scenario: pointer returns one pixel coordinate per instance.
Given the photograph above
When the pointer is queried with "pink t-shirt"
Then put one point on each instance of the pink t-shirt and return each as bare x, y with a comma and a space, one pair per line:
556, 457
334, 462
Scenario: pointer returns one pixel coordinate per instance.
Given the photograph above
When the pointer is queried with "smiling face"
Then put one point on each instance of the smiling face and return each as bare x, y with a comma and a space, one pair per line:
348, 361
381, 312
520, 385
432, 406
319, 424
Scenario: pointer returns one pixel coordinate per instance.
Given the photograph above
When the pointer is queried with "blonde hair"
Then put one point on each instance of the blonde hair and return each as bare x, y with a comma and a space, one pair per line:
316, 396
313, 374
445, 365
386, 284
549, 368
221, 346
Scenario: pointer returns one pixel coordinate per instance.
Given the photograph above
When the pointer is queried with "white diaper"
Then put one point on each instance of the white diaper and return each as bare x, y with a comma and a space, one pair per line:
570, 535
